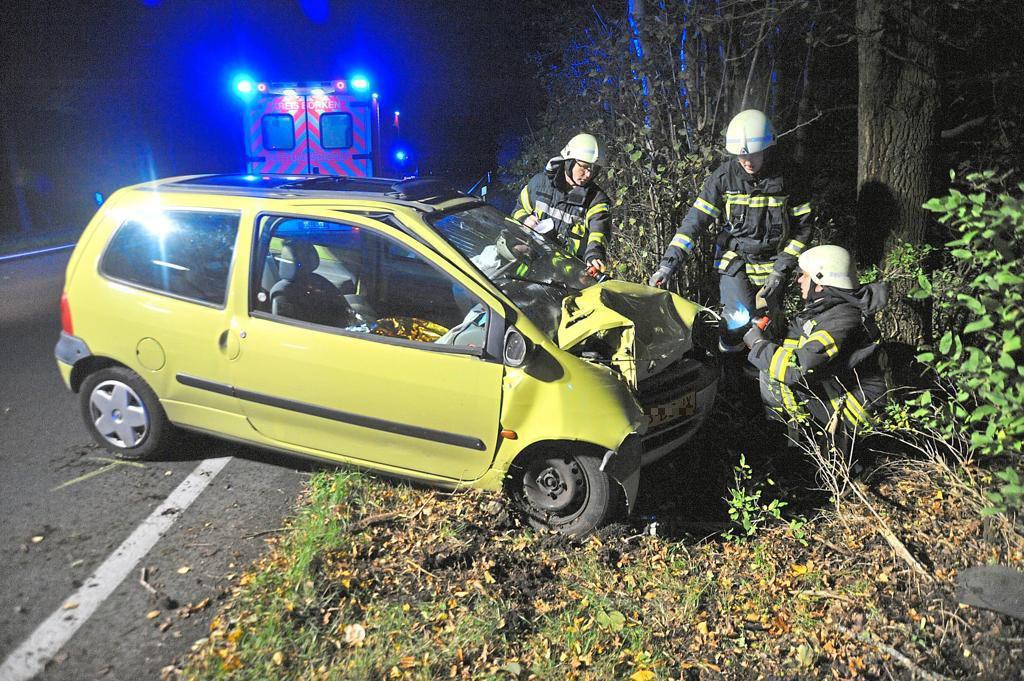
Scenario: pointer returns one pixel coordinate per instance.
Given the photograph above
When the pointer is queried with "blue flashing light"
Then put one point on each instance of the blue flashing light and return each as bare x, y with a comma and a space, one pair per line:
98, 198
401, 156
360, 83
244, 86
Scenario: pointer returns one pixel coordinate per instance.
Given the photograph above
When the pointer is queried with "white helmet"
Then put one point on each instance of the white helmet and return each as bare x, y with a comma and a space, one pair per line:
583, 147
749, 132
829, 266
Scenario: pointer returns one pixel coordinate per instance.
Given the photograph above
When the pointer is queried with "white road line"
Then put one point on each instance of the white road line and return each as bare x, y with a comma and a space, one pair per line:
15, 256
48, 638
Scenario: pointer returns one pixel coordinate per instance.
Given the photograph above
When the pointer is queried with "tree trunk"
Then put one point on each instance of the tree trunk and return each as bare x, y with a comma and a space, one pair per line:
896, 113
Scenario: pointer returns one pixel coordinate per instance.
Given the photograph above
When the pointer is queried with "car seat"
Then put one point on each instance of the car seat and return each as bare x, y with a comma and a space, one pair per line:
302, 293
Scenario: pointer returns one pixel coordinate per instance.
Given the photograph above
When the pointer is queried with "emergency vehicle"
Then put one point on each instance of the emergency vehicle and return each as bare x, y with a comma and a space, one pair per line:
312, 128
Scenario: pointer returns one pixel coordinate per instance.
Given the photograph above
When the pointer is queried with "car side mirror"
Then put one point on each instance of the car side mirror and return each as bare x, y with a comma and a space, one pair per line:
516, 348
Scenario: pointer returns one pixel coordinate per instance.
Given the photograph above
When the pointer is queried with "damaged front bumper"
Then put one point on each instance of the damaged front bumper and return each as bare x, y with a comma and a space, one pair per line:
624, 466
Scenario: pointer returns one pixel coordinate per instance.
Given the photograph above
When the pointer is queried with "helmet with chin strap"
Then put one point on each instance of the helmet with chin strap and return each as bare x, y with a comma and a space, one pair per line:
582, 147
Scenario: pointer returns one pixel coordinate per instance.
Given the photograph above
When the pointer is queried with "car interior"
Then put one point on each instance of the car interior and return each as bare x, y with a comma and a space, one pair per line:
359, 281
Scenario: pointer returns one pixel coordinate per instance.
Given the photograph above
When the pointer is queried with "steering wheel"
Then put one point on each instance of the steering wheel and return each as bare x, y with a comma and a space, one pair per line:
514, 254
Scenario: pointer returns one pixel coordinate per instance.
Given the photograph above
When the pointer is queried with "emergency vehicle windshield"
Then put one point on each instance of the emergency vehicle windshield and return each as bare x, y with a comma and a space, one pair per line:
533, 271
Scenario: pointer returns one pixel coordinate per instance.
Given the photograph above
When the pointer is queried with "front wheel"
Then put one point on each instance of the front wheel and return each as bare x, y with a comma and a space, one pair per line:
123, 414
564, 492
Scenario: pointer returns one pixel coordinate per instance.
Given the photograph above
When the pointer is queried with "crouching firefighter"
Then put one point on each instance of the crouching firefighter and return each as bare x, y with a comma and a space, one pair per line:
829, 370
564, 203
765, 225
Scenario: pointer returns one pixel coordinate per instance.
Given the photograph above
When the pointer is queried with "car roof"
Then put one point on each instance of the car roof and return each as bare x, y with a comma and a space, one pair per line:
423, 193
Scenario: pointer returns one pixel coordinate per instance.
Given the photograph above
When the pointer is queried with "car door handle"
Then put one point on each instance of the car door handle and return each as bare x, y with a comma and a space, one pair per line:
228, 343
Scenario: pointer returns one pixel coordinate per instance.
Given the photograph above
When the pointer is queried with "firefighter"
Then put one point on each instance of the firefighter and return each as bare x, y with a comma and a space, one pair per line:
564, 203
765, 225
829, 370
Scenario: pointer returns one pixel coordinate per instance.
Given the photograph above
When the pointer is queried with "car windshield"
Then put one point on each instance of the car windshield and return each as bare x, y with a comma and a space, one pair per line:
533, 271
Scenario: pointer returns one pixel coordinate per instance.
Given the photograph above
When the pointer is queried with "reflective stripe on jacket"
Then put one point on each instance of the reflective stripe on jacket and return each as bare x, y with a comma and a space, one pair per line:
581, 214
831, 348
762, 221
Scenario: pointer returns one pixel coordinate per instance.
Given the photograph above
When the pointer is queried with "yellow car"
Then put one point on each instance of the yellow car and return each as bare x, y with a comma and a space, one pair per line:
396, 325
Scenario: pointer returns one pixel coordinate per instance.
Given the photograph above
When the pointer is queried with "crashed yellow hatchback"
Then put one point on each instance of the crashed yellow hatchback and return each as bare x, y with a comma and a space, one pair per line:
399, 326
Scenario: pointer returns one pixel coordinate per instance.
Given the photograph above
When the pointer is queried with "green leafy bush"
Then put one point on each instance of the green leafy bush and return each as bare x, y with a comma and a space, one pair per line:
978, 363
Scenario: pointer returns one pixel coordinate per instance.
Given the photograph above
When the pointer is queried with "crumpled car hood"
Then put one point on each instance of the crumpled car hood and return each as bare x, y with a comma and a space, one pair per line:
640, 329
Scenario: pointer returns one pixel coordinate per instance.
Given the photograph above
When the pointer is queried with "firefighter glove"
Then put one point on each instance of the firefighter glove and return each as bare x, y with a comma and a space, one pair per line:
660, 278
773, 284
753, 336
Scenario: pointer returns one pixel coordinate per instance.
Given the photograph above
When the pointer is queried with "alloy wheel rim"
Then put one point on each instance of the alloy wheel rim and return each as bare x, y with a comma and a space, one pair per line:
118, 414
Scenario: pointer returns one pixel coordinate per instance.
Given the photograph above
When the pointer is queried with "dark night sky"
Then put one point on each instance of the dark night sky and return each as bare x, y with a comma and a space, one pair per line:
98, 95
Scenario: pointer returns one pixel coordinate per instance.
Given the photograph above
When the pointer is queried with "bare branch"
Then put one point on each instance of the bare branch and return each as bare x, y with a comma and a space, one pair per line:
800, 125
954, 132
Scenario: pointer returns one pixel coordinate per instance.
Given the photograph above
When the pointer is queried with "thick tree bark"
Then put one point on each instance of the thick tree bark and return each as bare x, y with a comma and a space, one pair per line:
898, 99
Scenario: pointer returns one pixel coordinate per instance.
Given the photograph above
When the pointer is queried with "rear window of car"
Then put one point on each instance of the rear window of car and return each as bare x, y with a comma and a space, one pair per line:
186, 254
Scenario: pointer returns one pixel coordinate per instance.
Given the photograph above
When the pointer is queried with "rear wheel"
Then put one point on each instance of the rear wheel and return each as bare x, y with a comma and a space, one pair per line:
567, 493
123, 414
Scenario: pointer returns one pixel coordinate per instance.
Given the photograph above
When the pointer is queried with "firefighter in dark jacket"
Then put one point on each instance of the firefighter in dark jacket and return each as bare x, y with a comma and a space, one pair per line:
829, 368
564, 203
765, 225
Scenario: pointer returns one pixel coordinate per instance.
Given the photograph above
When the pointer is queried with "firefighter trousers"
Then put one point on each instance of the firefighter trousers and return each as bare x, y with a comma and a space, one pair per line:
835, 413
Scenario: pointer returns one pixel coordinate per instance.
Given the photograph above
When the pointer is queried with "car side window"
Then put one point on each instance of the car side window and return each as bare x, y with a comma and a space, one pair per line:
360, 281
183, 253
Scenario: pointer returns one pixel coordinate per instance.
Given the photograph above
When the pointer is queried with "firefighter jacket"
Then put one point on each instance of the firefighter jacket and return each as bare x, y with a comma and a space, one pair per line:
582, 223
764, 224
831, 347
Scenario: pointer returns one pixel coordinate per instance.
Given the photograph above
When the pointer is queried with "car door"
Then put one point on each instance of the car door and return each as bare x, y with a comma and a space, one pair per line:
351, 357
277, 136
340, 135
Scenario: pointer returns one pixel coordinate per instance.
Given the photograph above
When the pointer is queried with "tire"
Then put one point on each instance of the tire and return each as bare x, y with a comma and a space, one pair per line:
566, 493
123, 414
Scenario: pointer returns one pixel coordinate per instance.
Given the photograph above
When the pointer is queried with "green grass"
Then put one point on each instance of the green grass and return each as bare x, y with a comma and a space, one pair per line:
376, 579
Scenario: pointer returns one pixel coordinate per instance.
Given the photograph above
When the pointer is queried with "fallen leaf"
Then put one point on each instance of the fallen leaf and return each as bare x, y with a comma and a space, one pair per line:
643, 675
613, 620
278, 658
36, 539
183, 570
513, 668
354, 634
152, 614
71, 605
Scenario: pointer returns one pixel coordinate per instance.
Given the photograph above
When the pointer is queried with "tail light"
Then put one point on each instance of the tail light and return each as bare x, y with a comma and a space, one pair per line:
65, 315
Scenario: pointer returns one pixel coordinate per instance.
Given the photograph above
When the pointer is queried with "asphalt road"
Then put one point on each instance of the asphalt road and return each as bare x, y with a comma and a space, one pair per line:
66, 507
